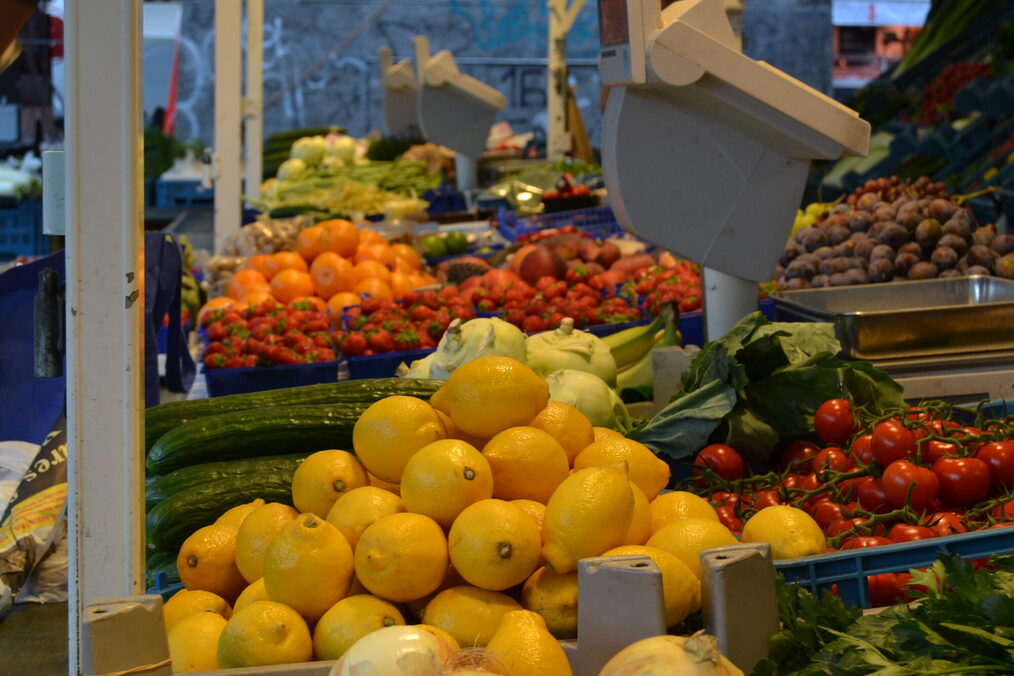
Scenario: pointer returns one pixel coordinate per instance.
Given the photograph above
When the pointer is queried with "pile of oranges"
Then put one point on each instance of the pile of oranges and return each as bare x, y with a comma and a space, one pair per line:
333, 265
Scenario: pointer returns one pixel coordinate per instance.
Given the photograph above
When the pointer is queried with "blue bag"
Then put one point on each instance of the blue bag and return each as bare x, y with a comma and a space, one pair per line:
163, 269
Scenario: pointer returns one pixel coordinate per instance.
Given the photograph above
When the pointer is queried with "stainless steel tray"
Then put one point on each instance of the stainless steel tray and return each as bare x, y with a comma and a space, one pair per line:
958, 315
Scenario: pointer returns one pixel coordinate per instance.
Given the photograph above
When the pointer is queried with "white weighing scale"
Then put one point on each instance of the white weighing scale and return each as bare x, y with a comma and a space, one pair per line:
706, 151
454, 109
401, 89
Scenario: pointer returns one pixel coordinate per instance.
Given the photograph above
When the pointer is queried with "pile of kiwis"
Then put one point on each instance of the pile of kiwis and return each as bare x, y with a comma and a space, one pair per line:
890, 229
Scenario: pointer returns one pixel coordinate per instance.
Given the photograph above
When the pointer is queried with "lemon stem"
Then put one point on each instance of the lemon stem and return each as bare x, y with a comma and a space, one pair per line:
192, 561
469, 473
310, 523
338, 486
505, 550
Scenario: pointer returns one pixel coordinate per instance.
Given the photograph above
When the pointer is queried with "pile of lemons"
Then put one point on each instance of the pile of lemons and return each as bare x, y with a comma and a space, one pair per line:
421, 526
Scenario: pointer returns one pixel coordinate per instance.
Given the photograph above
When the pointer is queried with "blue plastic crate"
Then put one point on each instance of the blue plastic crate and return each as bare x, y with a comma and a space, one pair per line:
164, 588
596, 221
183, 195
445, 200
849, 569
21, 230
381, 365
222, 382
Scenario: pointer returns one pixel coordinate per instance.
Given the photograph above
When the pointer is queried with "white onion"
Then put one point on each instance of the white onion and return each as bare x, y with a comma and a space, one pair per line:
696, 655
394, 651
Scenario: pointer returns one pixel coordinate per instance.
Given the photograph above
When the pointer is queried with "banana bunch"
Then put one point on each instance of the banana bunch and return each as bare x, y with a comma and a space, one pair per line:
192, 295
631, 348
812, 214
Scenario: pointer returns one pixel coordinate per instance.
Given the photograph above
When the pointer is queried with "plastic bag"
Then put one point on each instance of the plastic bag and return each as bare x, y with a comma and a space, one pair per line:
266, 236
48, 582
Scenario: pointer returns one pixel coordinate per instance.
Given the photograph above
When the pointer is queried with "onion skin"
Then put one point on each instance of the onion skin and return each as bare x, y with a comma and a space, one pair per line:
696, 655
400, 650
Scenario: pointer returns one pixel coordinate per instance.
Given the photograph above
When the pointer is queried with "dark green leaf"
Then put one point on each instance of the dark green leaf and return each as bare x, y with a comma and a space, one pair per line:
788, 398
682, 427
749, 435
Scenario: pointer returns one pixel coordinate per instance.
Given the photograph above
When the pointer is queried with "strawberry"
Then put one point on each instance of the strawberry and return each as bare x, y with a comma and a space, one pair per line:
381, 341
533, 324
354, 344
234, 363
214, 361
422, 313
250, 360
406, 339
217, 331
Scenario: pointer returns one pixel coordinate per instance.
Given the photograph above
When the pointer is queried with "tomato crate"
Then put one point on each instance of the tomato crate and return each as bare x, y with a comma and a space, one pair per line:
381, 365
259, 378
21, 229
596, 221
848, 570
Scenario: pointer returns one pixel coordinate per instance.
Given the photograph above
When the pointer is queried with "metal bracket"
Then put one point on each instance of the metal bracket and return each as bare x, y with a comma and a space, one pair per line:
54, 193
49, 326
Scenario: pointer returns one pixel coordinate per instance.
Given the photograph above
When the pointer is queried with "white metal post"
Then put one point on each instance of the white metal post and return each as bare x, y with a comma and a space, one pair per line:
105, 298
561, 20
727, 299
253, 103
228, 167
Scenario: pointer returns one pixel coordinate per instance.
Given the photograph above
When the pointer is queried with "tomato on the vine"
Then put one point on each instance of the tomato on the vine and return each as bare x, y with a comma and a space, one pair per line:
728, 518
861, 449
947, 523
886, 589
720, 498
891, 441
907, 532
932, 450
798, 456
864, 541
999, 456
856, 523
963, 481
870, 494
901, 477
826, 512
831, 457
723, 460
766, 498
834, 421
1004, 512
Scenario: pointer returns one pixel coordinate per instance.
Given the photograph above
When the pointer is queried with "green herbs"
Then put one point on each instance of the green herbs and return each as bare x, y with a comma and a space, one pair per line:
961, 623
759, 383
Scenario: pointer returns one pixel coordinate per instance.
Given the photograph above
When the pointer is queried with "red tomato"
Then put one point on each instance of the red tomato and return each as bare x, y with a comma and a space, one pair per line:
947, 523
826, 512
932, 450
838, 527
864, 541
727, 516
793, 481
891, 441
862, 451
900, 475
720, 498
798, 456
830, 458
834, 421
870, 494
1004, 512
724, 460
906, 532
766, 498
887, 589
963, 481
999, 456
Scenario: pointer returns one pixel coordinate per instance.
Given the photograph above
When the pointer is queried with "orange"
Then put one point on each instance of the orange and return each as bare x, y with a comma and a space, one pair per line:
375, 287
257, 297
370, 236
331, 274
371, 269
338, 236
306, 242
375, 252
316, 302
219, 303
400, 285
407, 254
417, 280
290, 284
339, 301
247, 281
286, 260
403, 266
260, 264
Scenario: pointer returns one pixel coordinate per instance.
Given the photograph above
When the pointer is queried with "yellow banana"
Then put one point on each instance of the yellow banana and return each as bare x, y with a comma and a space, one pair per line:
631, 344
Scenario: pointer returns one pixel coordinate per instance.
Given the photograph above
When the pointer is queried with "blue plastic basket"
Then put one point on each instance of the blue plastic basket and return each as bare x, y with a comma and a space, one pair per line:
596, 221
849, 569
259, 378
183, 195
445, 200
381, 365
21, 229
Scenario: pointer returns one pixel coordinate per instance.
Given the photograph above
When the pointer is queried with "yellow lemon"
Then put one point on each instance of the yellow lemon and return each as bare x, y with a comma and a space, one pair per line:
640, 520
494, 544
386, 485
308, 566
256, 533
207, 560
441, 634
348, 621
440, 402
391, 430
524, 645
452, 578
360, 508
646, 469
193, 643
554, 596
324, 477
254, 592
234, 517
443, 478
601, 433
687, 538
402, 557
454, 433
790, 531
469, 614
187, 602
589, 513
527, 463
536, 510
669, 507
567, 425
263, 633
681, 590
490, 394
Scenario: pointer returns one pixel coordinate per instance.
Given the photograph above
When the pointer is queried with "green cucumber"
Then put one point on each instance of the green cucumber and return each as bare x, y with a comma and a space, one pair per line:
163, 487
161, 562
160, 419
172, 521
254, 434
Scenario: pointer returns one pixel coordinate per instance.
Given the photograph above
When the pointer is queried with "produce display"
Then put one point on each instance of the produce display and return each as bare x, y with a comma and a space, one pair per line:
893, 229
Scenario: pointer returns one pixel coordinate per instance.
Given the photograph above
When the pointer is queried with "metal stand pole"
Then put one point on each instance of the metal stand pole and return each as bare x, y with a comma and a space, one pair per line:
228, 161
467, 170
561, 19
727, 299
253, 104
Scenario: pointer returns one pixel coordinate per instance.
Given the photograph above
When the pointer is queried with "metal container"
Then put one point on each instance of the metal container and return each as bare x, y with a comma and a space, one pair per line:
957, 315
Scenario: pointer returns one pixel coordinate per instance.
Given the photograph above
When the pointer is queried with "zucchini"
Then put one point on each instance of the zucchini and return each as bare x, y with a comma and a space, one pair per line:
160, 419
171, 521
254, 434
160, 562
162, 487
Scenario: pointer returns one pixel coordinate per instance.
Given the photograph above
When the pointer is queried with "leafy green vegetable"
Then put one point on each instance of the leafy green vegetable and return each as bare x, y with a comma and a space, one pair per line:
761, 382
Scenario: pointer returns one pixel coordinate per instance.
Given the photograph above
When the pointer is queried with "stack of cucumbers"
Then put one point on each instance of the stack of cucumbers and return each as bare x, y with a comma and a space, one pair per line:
209, 455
